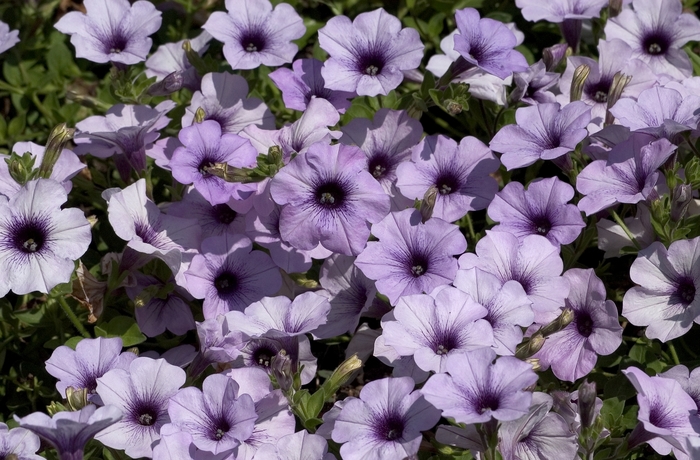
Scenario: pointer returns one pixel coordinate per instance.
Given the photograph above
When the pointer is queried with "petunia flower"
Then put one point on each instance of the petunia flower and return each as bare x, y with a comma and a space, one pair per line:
298, 446
304, 82
433, 327
569, 14
459, 171
476, 390
666, 301
254, 34
385, 422
369, 54
411, 257
228, 275
67, 431
112, 30
657, 30
532, 85
595, 330
542, 209
224, 99
628, 176
8, 38
39, 241
217, 344
214, 220
19, 442
330, 199
171, 58
141, 393
545, 131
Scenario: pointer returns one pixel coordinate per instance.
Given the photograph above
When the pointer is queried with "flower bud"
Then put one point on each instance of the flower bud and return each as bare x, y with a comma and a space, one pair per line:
587, 394
681, 197
614, 8
76, 399
428, 203
171, 83
618, 85
577, 83
58, 139
200, 115
553, 55
281, 368
530, 347
563, 320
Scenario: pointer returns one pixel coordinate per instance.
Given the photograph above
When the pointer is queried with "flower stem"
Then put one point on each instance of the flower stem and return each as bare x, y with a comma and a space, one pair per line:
627, 231
73, 319
470, 227
674, 355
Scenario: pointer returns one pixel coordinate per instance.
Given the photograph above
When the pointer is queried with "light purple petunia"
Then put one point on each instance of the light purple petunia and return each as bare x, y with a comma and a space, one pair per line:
254, 34
137, 220
223, 98
217, 344
171, 59
214, 220
666, 301
67, 431
330, 199
509, 309
657, 30
298, 446
350, 294
659, 111
459, 171
538, 435
204, 144
433, 327
487, 44
19, 442
8, 38
665, 412
411, 257
385, 422
218, 417
166, 306
569, 14
127, 132
39, 241
545, 131
228, 275
369, 54
304, 82
91, 359
628, 176
542, 209
533, 262
595, 330
387, 141
689, 381
259, 351
141, 393
476, 390
112, 30
532, 85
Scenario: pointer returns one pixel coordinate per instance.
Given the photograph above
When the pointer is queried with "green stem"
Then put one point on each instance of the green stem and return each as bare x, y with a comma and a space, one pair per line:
470, 228
674, 355
488, 129
627, 231
73, 318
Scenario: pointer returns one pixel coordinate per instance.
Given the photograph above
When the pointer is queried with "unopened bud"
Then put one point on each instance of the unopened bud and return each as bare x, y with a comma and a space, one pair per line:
54, 408
681, 197
553, 55
76, 399
281, 368
563, 320
427, 205
614, 8
587, 394
171, 83
453, 107
580, 76
200, 115
58, 139
20, 168
530, 347
341, 374
620, 81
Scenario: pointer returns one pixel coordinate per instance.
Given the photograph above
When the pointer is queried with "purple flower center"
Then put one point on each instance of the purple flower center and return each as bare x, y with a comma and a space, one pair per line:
115, 43
219, 430
149, 234
206, 162
226, 283
262, 355
371, 61
659, 416
487, 401
685, 291
584, 324
656, 43
330, 195
389, 427
447, 182
379, 165
444, 341
145, 413
223, 213
29, 235
541, 225
599, 91
253, 40
418, 265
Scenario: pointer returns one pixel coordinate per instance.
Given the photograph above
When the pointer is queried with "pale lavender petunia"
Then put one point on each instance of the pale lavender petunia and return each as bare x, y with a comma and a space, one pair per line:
509, 309
539, 435
254, 34
67, 431
330, 199
411, 257
666, 301
141, 393
369, 54
8, 38
628, 176
532, 86
127, 132
542, 209
214, 220
91, 359
461, 173
595, 330
298, 446
545, 131
569, 14
385, 422
217, 344
171, 59
160, 305
387, 141
112, 30
476, 389
19, 442
304, 82
657, 30
659, 111
665, 412
533, 262
218, 417
223, 98
203, 145
259, 351
39, 241
487, 44
433, 327
228, 275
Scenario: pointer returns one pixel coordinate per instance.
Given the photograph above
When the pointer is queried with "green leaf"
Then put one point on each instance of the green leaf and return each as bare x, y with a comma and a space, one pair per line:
17, 125
124, 327
73, 342
436, 24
